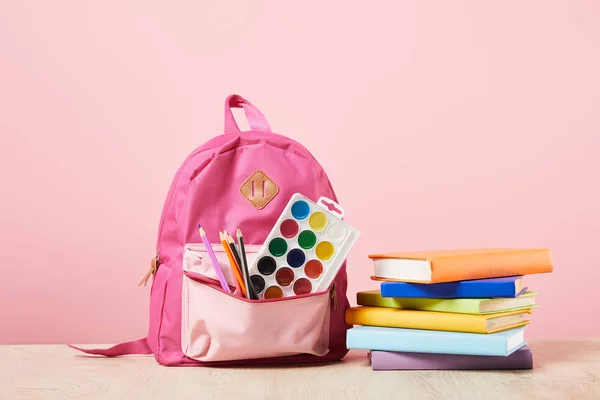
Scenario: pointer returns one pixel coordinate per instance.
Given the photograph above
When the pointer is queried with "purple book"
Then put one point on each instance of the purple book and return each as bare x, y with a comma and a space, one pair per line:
387, 360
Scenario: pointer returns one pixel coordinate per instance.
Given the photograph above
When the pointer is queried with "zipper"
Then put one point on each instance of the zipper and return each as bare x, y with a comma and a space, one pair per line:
214, 284
154, 263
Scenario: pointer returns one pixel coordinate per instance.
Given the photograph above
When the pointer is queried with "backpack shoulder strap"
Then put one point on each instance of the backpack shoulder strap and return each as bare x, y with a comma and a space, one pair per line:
139, 346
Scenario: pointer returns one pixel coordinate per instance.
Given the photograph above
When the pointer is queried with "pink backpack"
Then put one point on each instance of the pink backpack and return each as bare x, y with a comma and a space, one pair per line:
236, 179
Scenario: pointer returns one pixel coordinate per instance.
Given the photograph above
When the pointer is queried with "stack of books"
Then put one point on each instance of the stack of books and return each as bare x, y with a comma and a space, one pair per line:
448, 309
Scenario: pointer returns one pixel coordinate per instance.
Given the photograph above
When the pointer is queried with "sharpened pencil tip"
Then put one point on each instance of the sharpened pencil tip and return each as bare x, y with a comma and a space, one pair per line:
202, 233
238, 232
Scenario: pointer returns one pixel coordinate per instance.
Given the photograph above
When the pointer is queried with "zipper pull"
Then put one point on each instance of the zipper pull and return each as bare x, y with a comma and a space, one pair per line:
334, 297
153, 267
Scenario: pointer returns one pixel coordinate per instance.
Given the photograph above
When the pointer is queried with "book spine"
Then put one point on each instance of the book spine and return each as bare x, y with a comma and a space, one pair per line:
403, 291
455, 290
410, 319
462, 306
489, 290
426, 342
383, 360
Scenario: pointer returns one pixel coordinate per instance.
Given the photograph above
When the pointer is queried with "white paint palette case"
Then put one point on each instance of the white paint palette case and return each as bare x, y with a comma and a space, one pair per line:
304, 251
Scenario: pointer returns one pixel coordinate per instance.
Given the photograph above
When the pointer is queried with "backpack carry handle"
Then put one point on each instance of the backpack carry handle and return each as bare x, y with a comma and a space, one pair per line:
255, 118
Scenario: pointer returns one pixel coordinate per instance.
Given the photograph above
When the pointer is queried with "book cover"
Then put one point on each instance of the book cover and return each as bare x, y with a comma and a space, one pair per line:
511, 286
431, 320
423, 341
385, 360
457, 265
465, 306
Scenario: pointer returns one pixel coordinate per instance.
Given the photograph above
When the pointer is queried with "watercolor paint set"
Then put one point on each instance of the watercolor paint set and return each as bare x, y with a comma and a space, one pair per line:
304, 251
302, 254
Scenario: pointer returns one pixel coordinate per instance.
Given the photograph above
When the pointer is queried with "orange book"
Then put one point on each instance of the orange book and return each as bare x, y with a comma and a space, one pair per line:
458, 265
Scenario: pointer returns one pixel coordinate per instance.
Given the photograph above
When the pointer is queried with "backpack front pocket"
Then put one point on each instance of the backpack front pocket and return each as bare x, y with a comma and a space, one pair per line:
218, 326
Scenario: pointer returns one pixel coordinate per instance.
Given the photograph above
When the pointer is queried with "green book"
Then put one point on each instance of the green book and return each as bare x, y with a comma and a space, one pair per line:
463, 306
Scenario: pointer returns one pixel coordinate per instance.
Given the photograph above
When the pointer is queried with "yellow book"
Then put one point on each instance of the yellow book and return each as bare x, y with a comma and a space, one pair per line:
437, 321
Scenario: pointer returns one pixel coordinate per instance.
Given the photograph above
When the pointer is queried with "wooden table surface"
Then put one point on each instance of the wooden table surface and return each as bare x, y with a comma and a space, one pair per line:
563, 369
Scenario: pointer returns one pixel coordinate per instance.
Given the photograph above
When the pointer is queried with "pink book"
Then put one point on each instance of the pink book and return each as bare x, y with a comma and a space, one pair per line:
387, 360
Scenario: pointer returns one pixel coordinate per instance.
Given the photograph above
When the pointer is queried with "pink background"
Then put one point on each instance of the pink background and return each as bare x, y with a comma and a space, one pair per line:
441, 125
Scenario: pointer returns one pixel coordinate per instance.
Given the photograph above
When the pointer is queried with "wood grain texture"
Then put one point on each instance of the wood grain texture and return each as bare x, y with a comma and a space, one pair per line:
563, 369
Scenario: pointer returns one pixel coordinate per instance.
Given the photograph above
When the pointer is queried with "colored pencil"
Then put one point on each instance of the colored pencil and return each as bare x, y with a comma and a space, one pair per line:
249, 286
250, 294
234, 250
214, 260
234, 267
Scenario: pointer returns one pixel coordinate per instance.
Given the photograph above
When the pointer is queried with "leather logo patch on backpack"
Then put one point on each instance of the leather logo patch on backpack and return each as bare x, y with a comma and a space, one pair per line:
259, 189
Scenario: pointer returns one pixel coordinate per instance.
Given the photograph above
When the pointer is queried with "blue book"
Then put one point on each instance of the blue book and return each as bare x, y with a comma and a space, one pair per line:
440, 342
511, 286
